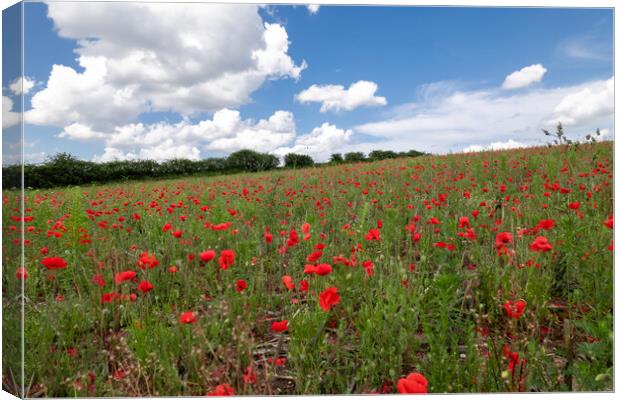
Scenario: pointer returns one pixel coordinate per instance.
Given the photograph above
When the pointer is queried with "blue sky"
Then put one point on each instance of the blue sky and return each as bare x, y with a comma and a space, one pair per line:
433, 79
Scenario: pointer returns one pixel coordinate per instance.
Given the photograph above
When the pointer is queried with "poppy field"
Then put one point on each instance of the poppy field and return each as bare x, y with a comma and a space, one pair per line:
485, 272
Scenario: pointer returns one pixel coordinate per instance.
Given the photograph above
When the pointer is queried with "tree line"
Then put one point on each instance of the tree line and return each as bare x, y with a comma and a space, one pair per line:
64, 169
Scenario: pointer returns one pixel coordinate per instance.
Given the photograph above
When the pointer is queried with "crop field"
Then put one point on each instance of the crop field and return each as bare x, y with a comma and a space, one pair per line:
486, 272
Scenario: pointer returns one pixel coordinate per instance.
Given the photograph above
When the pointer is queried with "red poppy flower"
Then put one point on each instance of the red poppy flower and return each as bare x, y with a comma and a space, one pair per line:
241, 285
546, 224
21, 273
373, 234
124, 276
177, 234
303, 285
309, 269
249, 376
288, 282
145, 286
369, 266
222, 390
574, 205
413, 383
147, 261
515, 310
207, 255
329, 298
53, 263
609, 222
98, 280
279, 326
323, 269
109, 297
227, 259
540, 244
502, 239
268, 237
187, 317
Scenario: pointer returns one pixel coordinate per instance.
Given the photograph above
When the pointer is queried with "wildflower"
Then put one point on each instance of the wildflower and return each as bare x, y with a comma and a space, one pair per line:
147, 261
124, 276
207, 255
21, 273
98, 280
241, 285
288, 282
249, 376
187, 317
540, 244
502, 239
546, 224
373, 234
109, 297
609, 222
222, 390
53, 263
279, 326
413, 383
323, 269
145, 286
329, 298
515, 310
227, 259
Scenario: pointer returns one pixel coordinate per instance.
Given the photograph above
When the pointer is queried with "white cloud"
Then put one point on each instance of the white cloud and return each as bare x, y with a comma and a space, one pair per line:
9, 117
313, 8
591, 102
225, 132
19, 85
319, 143
524, 77
454, 120
510, 144
142, 57
336, 97
264, 136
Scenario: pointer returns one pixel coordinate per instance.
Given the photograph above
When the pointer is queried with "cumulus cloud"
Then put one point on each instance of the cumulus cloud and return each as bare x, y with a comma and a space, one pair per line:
225, 132
313, 8
145, 57
21, 85
453, 120
510, 144
9, 117
336, 97
591, 102
319, 143
524, 77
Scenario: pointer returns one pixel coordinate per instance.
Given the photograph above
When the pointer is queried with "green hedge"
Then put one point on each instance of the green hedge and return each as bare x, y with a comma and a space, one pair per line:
64, 169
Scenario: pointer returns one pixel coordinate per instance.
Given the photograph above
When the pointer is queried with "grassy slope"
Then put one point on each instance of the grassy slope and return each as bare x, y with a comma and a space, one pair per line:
444, 319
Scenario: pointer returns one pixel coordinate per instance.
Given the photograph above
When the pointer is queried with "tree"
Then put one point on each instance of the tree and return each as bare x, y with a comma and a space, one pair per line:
381, 155
249, 160
336, 158
354, 157
293, 160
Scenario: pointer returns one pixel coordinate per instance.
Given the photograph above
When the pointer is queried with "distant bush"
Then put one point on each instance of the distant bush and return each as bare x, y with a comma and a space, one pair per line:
293, 160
